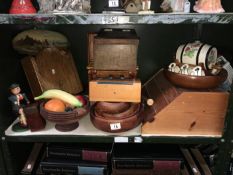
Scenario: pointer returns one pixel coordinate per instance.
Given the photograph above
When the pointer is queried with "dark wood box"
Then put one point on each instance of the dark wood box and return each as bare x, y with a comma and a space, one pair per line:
52, 68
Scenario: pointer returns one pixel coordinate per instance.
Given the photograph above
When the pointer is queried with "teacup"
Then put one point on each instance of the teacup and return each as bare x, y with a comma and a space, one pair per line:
186, 69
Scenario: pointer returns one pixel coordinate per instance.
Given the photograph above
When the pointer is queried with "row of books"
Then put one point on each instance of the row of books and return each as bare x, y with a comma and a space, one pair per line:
115, 159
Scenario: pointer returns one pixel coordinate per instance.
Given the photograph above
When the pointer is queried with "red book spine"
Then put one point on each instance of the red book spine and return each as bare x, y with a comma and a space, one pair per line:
99, 156
167, 167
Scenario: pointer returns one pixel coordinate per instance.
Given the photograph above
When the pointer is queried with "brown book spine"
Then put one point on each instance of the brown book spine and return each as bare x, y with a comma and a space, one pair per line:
191, 163
99, 156
78, 154
132, 171
31, 162
167, 167
201, 161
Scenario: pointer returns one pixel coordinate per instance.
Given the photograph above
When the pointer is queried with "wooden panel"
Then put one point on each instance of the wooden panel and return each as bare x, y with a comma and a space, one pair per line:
115, 56
90, 47
161, 92
191, 114
112, 57
52, 68
115, 92
107, 74
30, 69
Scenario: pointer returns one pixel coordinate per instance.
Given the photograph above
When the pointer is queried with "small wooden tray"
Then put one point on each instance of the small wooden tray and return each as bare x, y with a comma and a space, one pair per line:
196, 82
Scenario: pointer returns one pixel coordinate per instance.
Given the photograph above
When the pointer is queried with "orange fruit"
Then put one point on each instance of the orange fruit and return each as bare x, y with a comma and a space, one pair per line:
55, 105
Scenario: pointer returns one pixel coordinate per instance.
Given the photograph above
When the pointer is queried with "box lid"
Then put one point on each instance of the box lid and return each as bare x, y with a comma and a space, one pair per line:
115, 49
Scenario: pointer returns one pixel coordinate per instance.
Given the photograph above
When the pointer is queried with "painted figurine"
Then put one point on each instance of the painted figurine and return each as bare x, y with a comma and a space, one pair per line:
64, 6
22, 7
146, 5
175, 6
18, 101
208, 6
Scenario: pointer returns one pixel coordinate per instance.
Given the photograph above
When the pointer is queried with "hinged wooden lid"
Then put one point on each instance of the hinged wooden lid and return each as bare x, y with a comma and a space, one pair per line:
113, 49
52, 68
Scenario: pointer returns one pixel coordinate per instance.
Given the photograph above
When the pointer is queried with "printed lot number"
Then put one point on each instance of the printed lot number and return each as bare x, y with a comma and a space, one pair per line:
110, 19
113, 3
115, 126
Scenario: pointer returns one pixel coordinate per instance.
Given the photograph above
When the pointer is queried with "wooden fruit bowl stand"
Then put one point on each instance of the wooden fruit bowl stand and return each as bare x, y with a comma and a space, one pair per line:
64, 121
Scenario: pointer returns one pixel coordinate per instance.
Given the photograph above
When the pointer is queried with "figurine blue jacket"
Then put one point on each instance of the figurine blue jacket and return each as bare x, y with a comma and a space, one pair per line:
17, 102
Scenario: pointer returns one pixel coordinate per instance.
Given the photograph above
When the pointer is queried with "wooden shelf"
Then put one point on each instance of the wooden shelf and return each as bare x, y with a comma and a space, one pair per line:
157, 18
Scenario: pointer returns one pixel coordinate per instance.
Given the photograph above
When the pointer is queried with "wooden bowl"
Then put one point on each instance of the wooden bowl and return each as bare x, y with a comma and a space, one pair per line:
116, 122
111, 107
64, 121
196, 82
132, 110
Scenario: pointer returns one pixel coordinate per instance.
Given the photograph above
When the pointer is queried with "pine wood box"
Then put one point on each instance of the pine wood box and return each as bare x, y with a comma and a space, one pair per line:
52, 68
183, 112
112, 66
115, 91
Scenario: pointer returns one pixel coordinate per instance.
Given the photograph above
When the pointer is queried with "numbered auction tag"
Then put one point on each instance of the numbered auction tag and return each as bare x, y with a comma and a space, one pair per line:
113, 3
121, 139
110, 19
115, 126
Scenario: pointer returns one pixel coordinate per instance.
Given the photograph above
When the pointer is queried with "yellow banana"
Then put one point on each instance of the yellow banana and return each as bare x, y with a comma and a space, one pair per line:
62, 95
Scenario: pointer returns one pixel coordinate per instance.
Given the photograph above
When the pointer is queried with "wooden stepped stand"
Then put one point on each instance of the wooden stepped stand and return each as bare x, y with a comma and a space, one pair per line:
183, 112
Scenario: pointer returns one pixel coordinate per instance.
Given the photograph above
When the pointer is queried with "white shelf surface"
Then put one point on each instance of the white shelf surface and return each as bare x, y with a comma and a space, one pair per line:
86, 128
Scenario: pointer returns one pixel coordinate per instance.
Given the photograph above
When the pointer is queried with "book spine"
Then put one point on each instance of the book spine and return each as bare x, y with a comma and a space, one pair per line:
191, 165
168, 167
81, 170
32, 160
200, 161
89, 155
59, 169
132, 164
99, 156
132, 171
64, 153
84, 170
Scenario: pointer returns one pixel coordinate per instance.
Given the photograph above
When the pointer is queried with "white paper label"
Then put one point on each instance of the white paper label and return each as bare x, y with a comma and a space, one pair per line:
110, 19
115, 126
29, 166
121, 139
113, 3
138, 140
